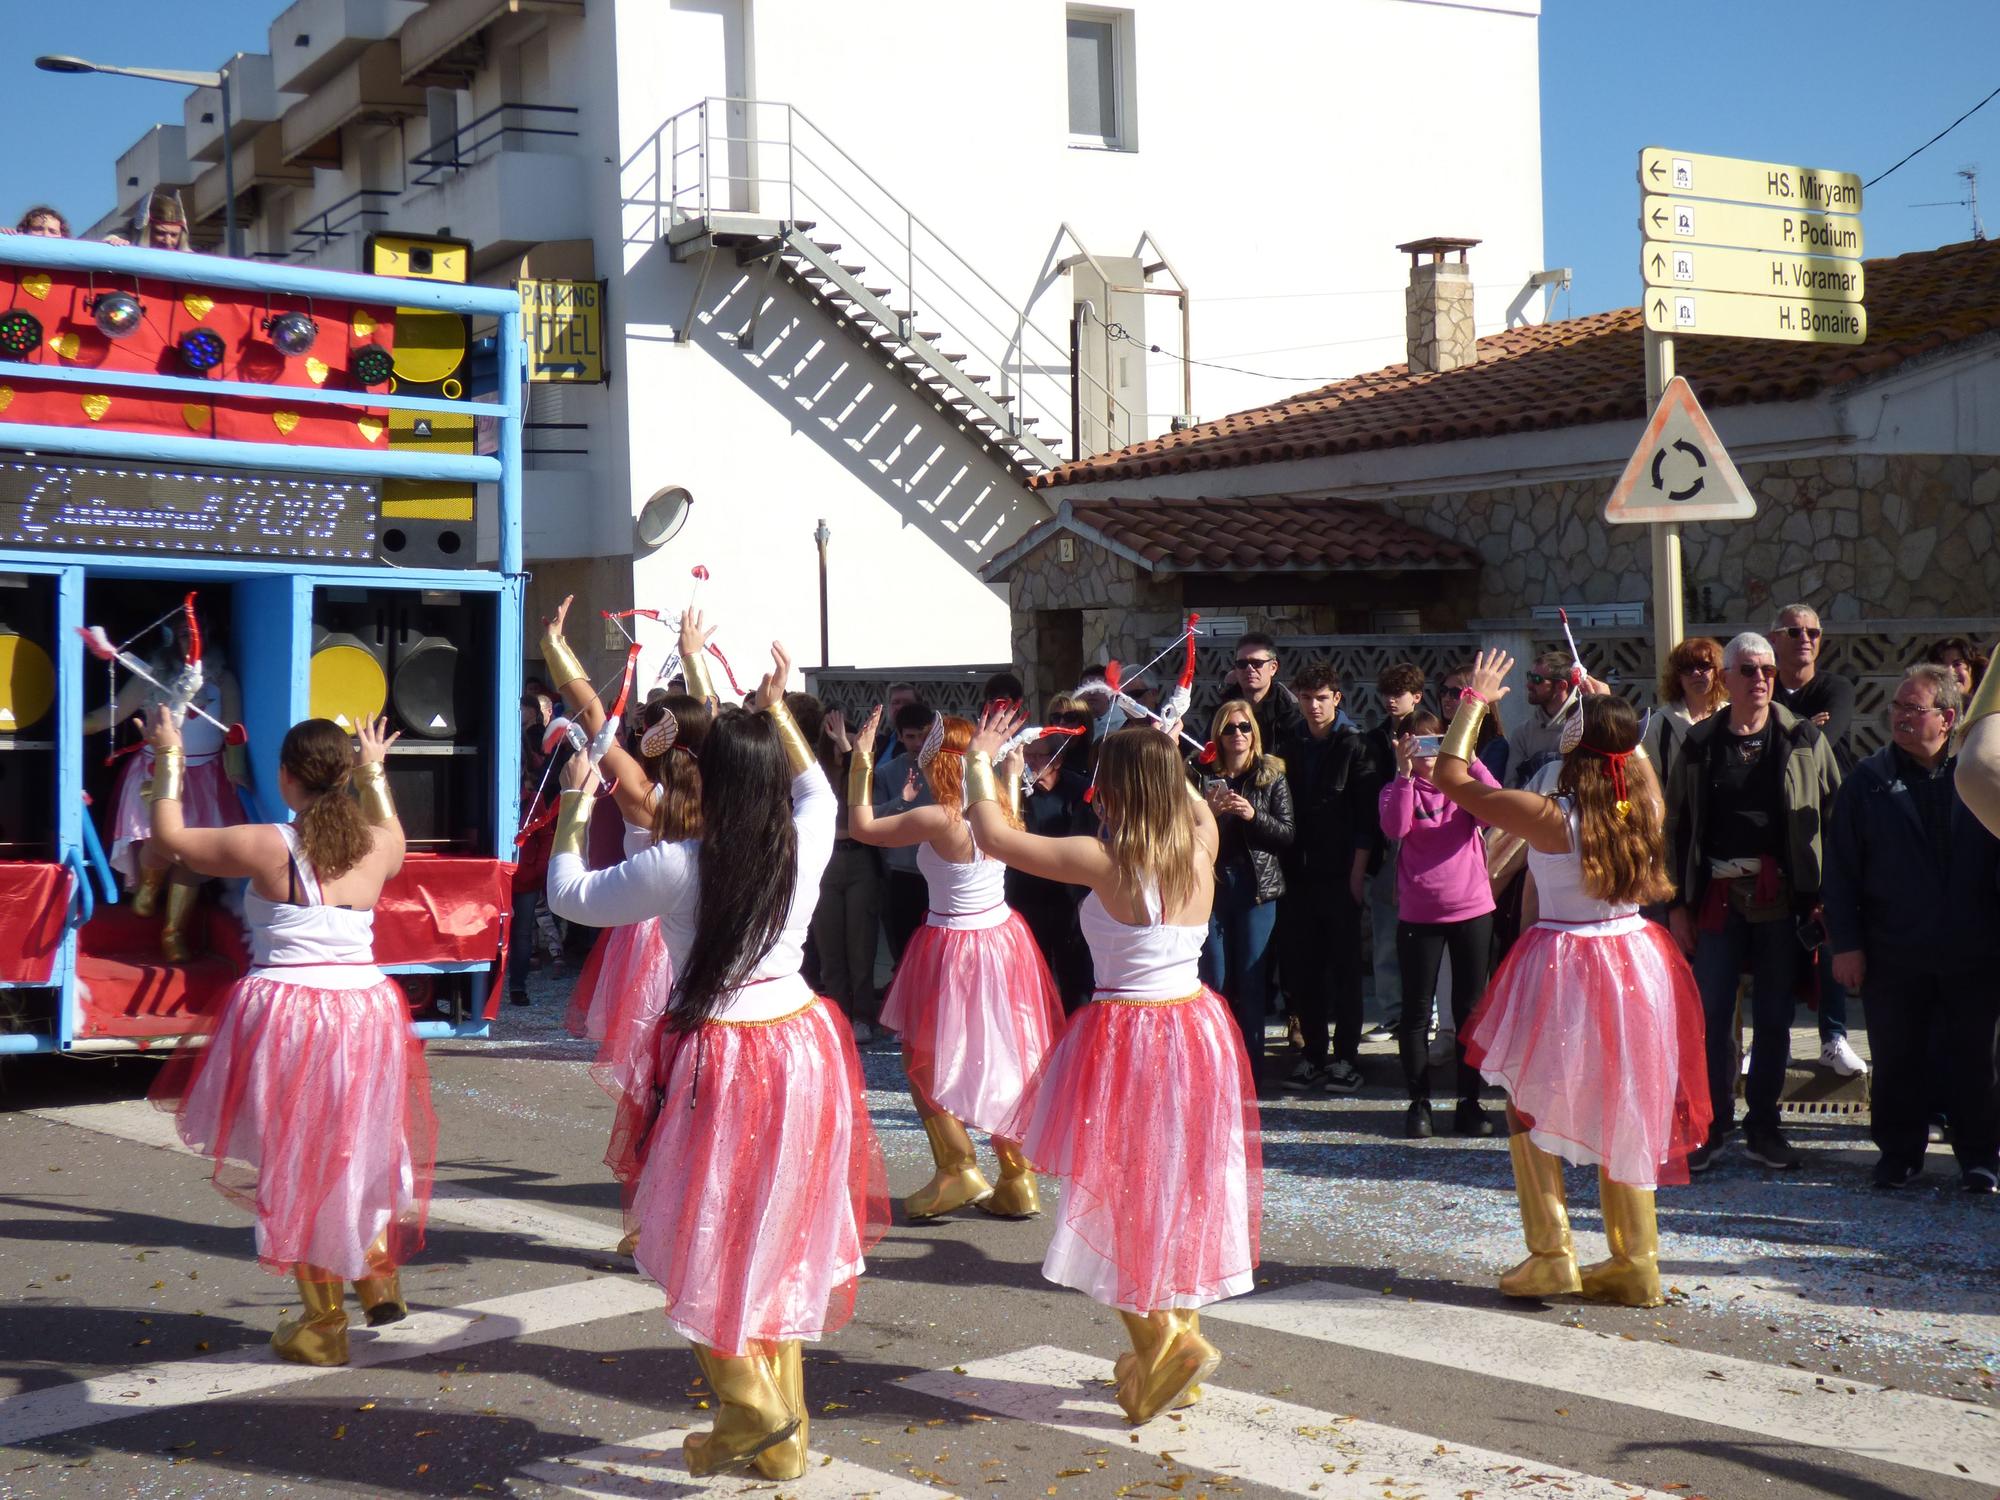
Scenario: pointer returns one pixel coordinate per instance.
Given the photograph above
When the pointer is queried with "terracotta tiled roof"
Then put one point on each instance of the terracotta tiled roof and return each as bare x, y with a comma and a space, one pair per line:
1578, 371
1246, 534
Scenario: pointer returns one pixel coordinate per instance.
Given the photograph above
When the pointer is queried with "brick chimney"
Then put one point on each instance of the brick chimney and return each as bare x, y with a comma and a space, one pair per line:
1438, 306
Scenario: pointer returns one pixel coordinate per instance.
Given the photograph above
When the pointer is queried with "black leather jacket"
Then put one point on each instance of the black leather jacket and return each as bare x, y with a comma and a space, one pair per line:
1263, 839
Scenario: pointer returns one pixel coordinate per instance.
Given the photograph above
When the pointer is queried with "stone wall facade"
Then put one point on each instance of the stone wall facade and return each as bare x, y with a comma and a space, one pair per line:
1861, 536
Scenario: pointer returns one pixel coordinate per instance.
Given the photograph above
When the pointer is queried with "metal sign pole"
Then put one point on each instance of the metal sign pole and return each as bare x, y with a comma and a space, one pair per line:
1669, 621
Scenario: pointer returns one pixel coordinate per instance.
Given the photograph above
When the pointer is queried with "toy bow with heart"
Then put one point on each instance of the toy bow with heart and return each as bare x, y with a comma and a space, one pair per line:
182, 687
565, 730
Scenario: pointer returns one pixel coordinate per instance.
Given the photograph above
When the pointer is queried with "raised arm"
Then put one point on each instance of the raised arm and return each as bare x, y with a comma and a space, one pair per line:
246, 850
884, 830
651, 883
1074, 860
1527, 815
632, 788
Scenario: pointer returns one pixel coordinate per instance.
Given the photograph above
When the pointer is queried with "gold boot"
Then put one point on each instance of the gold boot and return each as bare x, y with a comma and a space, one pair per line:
146, 896
181, 901
381, 1295
751, 1414
957, 1181
1631, 1276
1016, 1195
1550, 1269
787, 1459
1170, 1359
629, 1244
318, 1336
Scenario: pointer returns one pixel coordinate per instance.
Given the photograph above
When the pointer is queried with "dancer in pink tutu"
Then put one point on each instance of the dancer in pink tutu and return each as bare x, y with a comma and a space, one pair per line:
1146, 1108
310, 1095
972, 998
1593, 1024
623, 990
762, 1184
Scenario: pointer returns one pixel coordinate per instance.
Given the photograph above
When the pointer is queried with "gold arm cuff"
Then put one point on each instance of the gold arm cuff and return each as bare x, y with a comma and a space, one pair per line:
371, 787
1986, 699
797, 751
1464, 732
700, 683
1010, 799
573, 827
861, 778
561, 662
980, 783
169, 769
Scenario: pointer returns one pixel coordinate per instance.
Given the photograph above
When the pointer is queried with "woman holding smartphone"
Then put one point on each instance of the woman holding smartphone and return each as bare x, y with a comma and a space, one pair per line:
1444, 904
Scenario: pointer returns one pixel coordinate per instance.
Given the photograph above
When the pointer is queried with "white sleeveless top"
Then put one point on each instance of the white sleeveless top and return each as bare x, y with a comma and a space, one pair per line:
1155, 962
201, 741
965, 896
1559, 888
327, 947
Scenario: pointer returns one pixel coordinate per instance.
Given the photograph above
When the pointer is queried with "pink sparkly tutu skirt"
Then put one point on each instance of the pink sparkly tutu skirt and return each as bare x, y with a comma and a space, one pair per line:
314, 1107
1595, 1032
208, 800
763, 1184
1148, 1112
978, 1011
619, 998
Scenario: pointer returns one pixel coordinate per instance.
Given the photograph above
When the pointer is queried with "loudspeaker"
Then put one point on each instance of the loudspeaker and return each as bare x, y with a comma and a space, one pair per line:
27, 721
435, 653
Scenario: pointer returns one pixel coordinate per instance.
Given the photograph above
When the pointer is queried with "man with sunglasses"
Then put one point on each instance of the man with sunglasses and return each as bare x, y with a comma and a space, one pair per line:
1827, 699
1747, 803
1536, 741
1255, 677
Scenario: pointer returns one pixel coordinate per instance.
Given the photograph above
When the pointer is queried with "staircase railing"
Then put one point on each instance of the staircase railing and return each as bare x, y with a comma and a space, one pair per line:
767, 159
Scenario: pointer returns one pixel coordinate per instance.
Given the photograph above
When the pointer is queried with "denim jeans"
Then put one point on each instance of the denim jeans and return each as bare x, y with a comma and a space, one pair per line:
1232, 960
1770, 951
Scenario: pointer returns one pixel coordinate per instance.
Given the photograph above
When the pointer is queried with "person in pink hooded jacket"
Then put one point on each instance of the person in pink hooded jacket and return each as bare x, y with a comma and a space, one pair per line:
1444, 904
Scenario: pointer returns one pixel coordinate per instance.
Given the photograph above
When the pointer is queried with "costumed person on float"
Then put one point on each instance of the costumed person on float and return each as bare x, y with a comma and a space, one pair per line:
973, 998
1145, 1108
188, 677
308, 1092
1593, 1024
763, 1184
624, 988
1977, 775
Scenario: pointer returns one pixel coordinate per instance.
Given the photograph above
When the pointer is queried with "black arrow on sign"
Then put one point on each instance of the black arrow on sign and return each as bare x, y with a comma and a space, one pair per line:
1659, 217
1654, 171
1659, 464
1660, 306
1659, 262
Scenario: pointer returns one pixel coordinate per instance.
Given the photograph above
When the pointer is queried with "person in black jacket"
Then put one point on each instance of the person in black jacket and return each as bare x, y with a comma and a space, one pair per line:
1319, 920
1253, 814
1913, 916
1254, 678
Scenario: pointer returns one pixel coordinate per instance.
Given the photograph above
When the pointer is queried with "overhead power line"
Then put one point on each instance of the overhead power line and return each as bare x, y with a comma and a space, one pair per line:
1938, 137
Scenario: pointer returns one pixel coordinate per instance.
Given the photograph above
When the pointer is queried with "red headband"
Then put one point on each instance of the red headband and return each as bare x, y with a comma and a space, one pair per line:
1616, 759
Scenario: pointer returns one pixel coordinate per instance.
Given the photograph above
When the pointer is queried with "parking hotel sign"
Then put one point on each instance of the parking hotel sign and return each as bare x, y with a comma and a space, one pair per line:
563, 324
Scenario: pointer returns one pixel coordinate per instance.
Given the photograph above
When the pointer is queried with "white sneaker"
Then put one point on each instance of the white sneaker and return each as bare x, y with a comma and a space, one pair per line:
1840, 1057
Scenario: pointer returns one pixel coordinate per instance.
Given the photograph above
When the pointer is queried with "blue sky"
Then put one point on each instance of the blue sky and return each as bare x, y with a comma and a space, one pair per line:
1848, 84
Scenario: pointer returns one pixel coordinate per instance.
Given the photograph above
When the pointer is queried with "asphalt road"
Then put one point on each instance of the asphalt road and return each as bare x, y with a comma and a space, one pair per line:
1822, 1339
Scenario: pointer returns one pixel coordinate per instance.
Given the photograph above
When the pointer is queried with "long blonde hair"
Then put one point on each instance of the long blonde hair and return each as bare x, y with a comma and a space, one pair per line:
1623, 853
1142, 789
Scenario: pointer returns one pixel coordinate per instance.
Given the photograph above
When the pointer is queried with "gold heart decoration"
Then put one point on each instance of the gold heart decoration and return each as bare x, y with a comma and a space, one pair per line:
363, 324
95, 405
370, 428
36, 285
66, 344
6, 396
316, 369
197, 305
195, 416
285, 421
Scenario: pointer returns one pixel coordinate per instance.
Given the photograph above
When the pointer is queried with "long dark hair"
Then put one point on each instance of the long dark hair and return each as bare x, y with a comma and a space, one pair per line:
677, 774
333, 835
749, 862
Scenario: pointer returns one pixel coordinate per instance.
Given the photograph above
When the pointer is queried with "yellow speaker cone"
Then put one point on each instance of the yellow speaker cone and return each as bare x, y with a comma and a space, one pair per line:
346, 684
429, 344
27, 682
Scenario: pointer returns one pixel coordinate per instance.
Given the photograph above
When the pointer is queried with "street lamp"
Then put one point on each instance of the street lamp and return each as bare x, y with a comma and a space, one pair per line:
219, 81
822, 536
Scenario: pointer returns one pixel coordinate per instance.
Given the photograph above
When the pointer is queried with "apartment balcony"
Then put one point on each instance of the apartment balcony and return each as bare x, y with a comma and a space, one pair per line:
254, 102
331, 237
368, 87
430, 38
259, 162
507, 181
157, 159
314, 39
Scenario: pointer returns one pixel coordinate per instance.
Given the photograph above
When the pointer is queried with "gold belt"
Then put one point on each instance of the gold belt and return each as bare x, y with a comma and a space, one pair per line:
790, 1015
1113, 998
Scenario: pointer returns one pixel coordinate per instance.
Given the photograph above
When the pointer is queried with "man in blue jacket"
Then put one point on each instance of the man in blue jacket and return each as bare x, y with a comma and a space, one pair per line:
1913, 911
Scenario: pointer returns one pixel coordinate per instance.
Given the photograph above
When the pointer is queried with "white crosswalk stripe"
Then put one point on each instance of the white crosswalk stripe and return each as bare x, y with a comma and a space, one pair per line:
1260, 1440
1915, 1431
652, 1466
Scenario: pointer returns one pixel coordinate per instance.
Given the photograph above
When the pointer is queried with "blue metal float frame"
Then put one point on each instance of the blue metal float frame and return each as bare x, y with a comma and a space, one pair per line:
276, 581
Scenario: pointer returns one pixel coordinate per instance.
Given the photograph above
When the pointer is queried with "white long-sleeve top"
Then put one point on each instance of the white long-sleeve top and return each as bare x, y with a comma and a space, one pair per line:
664, 881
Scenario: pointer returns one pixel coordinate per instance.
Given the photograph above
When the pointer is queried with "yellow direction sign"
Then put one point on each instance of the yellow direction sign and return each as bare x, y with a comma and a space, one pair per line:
1680, 221
1680, 471
1765, 273
1770, 183
1800, 320
563, 324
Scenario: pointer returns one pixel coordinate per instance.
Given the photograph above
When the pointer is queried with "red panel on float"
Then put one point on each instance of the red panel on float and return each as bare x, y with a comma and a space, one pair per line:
443, 908
34, 899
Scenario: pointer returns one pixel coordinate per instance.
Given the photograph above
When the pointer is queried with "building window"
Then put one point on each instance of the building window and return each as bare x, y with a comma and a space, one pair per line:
1100, 79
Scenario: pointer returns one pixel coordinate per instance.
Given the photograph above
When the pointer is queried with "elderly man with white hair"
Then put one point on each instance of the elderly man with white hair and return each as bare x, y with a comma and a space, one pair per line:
1747, 802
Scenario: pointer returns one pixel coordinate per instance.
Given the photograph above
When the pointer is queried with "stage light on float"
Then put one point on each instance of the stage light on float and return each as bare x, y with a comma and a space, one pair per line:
116, 314
20, 333
292, 333
372, 364
201, 349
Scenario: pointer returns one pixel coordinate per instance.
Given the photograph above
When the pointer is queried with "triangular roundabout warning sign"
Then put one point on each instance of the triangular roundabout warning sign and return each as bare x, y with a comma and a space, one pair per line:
1680, 471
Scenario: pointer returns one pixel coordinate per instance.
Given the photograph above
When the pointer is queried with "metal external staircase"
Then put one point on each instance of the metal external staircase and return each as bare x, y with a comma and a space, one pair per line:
758, 180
